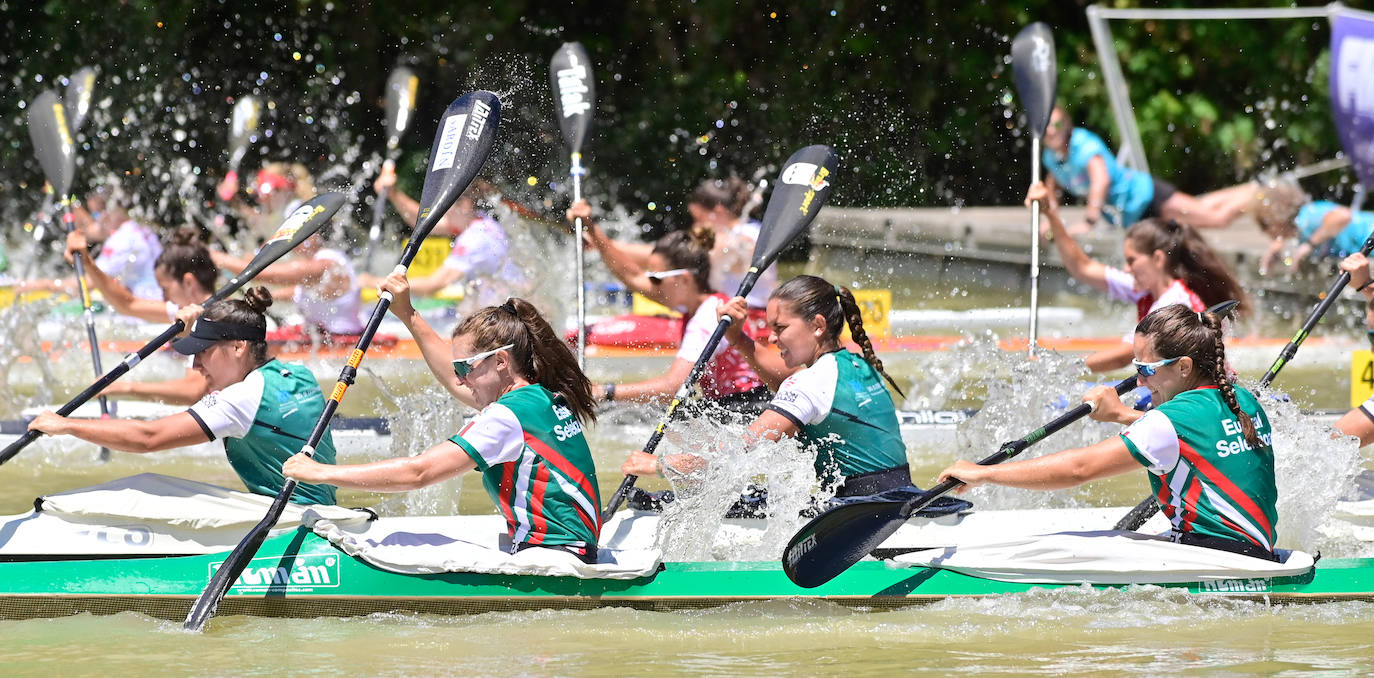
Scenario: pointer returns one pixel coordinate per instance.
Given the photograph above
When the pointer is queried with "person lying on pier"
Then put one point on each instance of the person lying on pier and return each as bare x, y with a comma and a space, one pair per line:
264, 409
1206, 444
718, 205
1080, 161
837, 405
187, 276
1322, 227
527, 441
1166, 263
480, 260
680, 274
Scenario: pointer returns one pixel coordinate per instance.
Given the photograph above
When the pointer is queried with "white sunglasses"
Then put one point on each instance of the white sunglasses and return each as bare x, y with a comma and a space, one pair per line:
464, 366
658, 276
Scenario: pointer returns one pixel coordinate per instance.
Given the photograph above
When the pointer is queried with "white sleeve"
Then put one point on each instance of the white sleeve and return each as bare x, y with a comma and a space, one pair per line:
229, 413
494, 435
117, 254
699, 329
1121, 285
1155, 439
807, 396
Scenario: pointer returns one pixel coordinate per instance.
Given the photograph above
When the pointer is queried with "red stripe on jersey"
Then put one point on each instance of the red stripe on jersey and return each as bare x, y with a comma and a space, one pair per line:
1164, 496
1221, 482
1240, 531
1191, 491
540, 484
507, 495
572, 472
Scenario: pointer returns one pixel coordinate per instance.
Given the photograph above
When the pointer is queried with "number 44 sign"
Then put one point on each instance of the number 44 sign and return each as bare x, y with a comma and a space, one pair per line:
1361, 377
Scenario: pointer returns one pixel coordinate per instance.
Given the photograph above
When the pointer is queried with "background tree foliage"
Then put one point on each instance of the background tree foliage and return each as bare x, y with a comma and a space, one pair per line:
916, 97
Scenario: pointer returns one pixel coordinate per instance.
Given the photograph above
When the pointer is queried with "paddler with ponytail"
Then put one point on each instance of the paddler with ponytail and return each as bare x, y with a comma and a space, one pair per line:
1206, 444
527, 441
838, 405
263, 408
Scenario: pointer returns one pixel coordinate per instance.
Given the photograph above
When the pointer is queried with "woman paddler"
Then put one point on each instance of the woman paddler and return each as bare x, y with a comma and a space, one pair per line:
1166, 263
680, 273
838, 405
264, 409
1206, 444
527, 441
187, 277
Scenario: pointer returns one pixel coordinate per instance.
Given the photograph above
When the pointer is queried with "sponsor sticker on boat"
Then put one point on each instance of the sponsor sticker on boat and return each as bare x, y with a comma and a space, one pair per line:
286, 574
1253, 585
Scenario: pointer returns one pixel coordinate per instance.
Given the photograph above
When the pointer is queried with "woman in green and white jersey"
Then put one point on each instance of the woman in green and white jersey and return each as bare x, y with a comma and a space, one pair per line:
527, 441
837, 406
264, 409
1206, 445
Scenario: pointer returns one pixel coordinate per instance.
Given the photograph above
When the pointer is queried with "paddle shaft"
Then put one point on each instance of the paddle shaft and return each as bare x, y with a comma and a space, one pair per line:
1012, 449
577, 171
683, 393
88, 315
1035, 250
378, 211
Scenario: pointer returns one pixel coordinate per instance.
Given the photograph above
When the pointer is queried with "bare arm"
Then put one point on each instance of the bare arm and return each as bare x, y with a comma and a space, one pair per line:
433, 347
765, 360
187, 390
1099, 183
1109, 359
650, 389
177, 430
1356, 423
437, 464
1061, 470
626, 261
1078, 263
430, 285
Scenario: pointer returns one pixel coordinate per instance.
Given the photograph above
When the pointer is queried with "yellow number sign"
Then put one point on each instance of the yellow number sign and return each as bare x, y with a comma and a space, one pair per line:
431, 256
875, 307
1361, 377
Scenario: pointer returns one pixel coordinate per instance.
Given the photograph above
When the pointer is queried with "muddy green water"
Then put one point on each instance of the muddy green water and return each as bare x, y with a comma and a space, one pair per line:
1143, 632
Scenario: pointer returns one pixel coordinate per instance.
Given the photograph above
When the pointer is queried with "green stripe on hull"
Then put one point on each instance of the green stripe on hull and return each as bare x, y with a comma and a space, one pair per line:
294, 577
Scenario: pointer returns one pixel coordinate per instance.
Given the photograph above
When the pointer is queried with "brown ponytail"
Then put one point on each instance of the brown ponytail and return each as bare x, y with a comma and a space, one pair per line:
540, 355
1189, 258
184, 253
1178, 331
690, 249
811, 296
250, 311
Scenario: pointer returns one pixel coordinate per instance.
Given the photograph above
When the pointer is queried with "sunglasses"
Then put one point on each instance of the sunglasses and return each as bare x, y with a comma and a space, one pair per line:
464, 367
657, 277
1149, 369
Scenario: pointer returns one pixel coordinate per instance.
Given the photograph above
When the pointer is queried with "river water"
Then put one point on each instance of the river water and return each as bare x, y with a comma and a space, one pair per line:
1140, 631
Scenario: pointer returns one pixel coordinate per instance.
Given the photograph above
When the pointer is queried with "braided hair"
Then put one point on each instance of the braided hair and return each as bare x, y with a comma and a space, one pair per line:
539, 354
1178, 331
811, 296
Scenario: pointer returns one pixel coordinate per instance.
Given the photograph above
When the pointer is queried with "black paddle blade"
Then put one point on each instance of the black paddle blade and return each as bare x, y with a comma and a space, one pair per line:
400, 103
243, 128
466, 134
574, 92
801, 190
837, 538
77, 100
305, 221
52, 139
1036, 72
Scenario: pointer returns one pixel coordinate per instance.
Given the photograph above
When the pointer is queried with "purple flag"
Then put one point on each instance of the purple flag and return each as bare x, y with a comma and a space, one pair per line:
1352, 88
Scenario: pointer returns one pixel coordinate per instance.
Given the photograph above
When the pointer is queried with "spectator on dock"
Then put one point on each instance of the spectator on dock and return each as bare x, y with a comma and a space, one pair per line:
1166, 263
1322, 228
1080, 161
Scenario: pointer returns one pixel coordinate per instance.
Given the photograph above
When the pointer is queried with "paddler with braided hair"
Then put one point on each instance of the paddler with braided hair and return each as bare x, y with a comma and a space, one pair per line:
527, 440
837, 405
1206, 444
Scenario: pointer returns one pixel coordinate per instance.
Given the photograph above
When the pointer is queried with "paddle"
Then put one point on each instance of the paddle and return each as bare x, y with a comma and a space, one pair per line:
52, 138
800, 192
243, 129
77, 99
574, 91
1033, 65
843, 535
467, 132
400, 105
301, 224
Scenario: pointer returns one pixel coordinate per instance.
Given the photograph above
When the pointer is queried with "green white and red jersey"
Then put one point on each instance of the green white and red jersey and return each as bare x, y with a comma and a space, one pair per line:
1207, 478
536, 467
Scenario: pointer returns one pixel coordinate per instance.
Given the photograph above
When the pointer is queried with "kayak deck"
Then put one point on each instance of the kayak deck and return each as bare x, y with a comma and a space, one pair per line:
301, 575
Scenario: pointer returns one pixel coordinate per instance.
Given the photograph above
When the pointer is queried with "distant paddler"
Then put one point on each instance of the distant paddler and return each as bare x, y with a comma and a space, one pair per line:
527, 441
261, 407
480, 260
